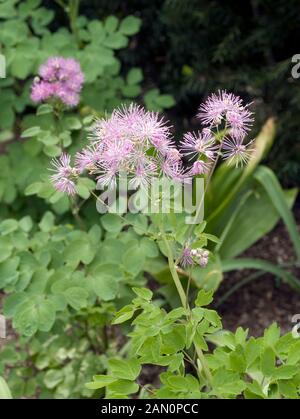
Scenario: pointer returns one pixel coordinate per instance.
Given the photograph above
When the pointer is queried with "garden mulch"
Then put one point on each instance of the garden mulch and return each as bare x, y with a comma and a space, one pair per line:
265, 300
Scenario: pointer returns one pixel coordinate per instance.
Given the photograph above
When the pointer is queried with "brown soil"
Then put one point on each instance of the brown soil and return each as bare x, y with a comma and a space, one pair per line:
266, 299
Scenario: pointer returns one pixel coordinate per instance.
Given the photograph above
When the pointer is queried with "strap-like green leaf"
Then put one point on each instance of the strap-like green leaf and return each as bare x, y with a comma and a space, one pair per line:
269, 181
262, 265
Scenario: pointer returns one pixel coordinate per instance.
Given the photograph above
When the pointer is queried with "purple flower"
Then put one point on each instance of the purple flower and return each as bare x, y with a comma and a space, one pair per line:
64, 176
191, 257
135, 142
186, 258
235, 151
59, 78
88, 158
41, 91
202, 143
228, 108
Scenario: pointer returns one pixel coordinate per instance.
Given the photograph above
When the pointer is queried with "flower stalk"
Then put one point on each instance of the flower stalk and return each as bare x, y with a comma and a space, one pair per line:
184, 302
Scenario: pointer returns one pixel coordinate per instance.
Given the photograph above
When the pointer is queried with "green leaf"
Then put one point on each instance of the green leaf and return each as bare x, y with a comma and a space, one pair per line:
143, 293
82, 191
262, 145
26, 223
47, 222
73, 123
76, 297
236, 224
111, 24
104, 281
100, 381
123, 387
44, 109
4, 390
268, 362
204, 298
5, 250
123, 315
227, 383
272, 335
128, 369
294, 353
112, 223
245, 263
115, 41
33, 189
134, 259
285, 372
31, 132
139, 223
8, 271
165, 101
134, 76
237, 360
79, 251
52, 378
35, 314
174, 341
130, 25
213, 317
209, 277
12, 302
131, 90
227, 181
6, 135
52, 150
288, 389
149, 247
269, 181
8, 226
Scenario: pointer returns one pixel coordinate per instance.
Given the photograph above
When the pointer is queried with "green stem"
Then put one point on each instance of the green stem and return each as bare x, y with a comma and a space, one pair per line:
174, 273
184, 302
198, 211
75, 213
73, 14
204, 364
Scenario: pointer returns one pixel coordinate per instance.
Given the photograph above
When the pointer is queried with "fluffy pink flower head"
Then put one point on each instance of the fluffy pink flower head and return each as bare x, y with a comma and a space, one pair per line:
235, 151
59, 78
135, 142
202, 143
228, 108
64, 176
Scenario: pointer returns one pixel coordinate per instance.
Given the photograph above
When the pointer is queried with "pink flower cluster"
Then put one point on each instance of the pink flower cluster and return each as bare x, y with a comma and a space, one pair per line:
139, 143
131, 141
221, 112
59, 78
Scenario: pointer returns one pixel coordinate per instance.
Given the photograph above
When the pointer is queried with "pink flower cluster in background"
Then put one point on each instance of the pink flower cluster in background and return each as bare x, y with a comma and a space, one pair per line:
59, 78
